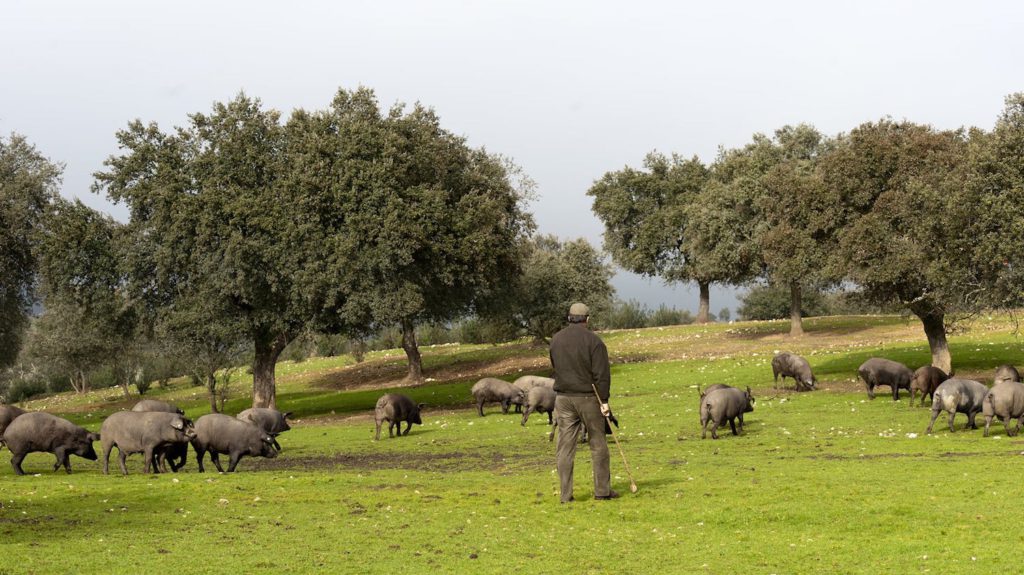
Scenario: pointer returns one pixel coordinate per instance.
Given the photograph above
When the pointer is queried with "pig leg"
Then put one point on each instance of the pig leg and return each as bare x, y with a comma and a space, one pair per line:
988, 422
480, 407
233, 463
871, 391
549, 418
215, 458
935, 415
526, 414
408, 426
379, 422
1006, 424
122, 455
895, 392
199, 457
147, 454
714, 429
107, 447
16, 459
732, 424
505, 404
913, 395
952, 414
59, 454
970, 420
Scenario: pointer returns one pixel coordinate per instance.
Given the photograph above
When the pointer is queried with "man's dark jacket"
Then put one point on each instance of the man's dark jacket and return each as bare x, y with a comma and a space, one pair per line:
580, 359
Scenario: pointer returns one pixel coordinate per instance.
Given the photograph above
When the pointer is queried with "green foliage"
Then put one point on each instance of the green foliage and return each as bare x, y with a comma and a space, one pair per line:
665, 315
724, 314
28, 188
625, 315
556, 275
773, 302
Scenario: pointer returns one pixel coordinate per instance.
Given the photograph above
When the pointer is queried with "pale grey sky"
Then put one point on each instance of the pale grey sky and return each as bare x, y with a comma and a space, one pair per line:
569, 90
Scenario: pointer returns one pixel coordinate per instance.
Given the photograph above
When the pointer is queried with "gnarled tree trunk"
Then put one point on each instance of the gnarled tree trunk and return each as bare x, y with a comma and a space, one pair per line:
935, 328
796, 322
412, 351
703, 310
211, 388
268, 348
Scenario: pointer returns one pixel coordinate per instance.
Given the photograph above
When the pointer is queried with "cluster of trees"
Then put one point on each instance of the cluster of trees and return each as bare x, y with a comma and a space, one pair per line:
926, 219
246, 231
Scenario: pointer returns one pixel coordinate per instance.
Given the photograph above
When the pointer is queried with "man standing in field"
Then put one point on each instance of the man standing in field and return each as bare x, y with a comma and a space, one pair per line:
580, 360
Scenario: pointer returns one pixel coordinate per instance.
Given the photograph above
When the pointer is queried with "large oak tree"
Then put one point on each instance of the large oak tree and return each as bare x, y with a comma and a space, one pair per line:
28, 189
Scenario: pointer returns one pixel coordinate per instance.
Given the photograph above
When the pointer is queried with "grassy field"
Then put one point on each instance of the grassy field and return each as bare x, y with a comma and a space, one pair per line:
826, 481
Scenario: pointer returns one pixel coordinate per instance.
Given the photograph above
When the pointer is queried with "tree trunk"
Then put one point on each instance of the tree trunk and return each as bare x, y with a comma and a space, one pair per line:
703, 311
211, 387
935, 329
412, 351
796, 322
268, 348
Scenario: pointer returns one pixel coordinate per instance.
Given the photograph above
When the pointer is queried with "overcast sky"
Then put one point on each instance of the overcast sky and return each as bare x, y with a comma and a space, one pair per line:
569, 90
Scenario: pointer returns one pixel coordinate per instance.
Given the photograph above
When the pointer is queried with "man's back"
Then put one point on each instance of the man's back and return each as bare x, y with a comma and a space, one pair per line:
580, 359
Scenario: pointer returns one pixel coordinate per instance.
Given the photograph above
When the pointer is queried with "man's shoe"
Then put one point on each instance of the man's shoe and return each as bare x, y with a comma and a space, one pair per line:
612, 494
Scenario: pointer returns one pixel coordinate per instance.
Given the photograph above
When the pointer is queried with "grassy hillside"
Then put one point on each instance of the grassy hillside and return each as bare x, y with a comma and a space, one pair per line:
821, 481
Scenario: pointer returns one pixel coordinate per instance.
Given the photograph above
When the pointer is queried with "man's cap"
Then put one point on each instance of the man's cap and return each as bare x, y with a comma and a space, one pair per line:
579, 309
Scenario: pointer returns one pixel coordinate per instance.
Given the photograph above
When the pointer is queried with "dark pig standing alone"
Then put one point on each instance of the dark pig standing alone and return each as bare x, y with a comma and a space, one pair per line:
219, 433
1006, 401
879, 371
396, 408
958, 396
792, 365
724, 405
926, 380
40, 431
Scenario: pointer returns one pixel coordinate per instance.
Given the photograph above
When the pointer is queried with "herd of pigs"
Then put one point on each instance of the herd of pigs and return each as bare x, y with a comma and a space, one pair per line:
161, 432
158, 430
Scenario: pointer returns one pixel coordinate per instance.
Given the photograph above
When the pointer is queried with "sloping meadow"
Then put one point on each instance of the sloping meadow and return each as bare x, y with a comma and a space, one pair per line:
825, 481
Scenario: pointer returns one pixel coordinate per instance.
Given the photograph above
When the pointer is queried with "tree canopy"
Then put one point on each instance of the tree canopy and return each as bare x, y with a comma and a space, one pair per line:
28, 188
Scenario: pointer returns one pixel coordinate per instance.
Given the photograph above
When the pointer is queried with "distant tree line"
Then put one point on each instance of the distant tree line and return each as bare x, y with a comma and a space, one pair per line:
924, 219
247, 231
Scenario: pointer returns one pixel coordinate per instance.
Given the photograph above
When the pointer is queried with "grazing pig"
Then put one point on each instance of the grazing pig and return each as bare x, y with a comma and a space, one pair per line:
1006, 401
145, 432
157, 405
958, 396
396, 408
491, 389
40, 431
878, 371
272, 421
7, 414
723, 405
528, 382
792, 365
926, 380
219, 433
1006, 373
540, 399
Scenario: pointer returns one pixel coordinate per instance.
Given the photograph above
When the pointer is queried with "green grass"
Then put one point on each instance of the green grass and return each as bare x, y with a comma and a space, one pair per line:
820, 482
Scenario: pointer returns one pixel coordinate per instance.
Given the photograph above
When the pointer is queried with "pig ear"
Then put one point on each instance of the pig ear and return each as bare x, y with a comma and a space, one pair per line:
420, 405
287, 414
178, 424
268, 439
93, 437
